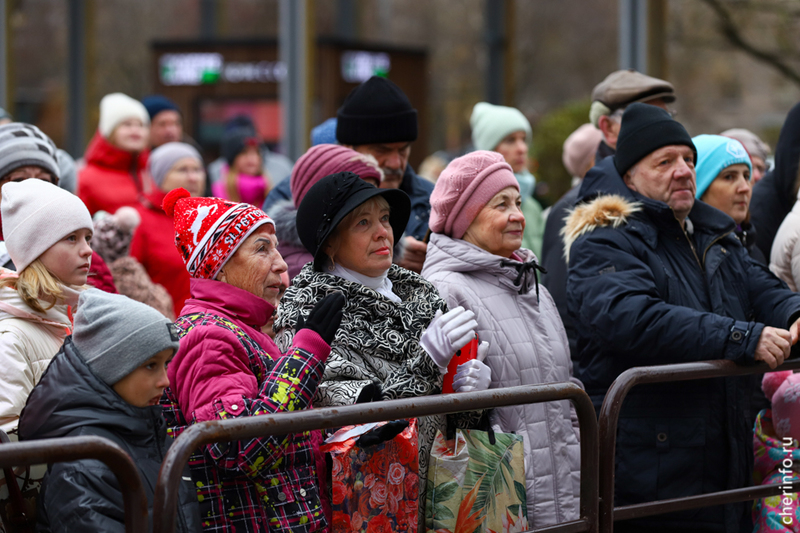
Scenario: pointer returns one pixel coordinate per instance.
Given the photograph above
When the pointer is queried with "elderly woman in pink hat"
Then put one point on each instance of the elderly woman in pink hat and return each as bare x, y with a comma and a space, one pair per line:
475, 260
319, 161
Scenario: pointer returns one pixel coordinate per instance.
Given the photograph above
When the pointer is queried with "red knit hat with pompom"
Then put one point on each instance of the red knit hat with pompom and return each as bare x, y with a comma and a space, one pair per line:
208, 231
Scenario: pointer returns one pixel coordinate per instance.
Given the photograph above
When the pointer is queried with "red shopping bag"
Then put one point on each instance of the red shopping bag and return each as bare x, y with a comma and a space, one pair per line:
375, 489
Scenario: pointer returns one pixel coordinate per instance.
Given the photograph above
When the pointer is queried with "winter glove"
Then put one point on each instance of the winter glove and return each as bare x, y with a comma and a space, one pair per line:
382, 434
325, 318
474, 375
448, 333
370, 393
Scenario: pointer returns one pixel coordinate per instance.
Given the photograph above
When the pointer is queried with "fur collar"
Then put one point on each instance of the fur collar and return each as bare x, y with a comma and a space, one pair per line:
609, 210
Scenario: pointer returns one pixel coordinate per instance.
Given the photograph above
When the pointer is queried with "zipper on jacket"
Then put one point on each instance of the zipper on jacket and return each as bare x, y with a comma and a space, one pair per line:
715, 241
691, 245
705, 252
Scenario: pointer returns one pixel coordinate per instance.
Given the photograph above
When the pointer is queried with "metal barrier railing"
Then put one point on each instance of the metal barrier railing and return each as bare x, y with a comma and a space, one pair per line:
165, 504
44, 451
609, 417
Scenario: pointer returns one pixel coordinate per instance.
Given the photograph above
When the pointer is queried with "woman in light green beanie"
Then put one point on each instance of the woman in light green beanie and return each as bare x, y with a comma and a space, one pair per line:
506, 130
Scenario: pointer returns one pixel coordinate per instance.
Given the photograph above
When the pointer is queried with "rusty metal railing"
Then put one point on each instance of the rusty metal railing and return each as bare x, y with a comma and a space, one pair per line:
609, 417
43, 451
165, 504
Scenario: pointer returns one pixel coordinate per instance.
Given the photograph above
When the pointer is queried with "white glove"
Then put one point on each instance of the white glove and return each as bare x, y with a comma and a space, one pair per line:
474, 375
446, 334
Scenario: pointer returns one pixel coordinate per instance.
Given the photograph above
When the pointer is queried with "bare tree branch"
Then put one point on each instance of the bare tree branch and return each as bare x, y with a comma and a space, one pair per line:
733, 34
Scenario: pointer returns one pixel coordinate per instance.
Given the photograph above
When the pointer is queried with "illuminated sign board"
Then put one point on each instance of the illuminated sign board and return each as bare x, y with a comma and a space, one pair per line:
210, 68
358, 67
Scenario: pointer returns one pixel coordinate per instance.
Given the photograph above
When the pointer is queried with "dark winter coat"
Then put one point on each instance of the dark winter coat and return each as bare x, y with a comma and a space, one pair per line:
555, 279
748, 236
641, 295
775, 195
70, 401
419, 191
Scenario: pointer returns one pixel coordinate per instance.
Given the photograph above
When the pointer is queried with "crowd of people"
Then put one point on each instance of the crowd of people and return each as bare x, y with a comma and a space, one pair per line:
150, 291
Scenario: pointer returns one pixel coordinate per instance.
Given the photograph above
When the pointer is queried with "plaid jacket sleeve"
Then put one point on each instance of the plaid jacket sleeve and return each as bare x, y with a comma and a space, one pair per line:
289, 385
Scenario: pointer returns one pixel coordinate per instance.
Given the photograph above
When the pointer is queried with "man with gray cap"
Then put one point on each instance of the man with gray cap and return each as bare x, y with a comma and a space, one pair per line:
609, 100
657, 277
107, 381
611, 96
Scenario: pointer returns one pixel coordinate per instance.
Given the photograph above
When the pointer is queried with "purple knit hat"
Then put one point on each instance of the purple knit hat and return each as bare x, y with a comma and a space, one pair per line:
465, 187
326, 159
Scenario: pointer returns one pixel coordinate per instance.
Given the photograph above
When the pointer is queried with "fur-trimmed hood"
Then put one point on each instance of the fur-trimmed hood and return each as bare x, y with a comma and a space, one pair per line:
604, 211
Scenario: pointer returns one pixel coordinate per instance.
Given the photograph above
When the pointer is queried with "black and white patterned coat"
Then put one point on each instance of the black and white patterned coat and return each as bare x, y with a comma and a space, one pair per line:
378, 341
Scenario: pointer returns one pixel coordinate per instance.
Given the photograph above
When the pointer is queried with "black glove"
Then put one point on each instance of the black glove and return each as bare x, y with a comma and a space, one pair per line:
370, 393
325, 318
382, 434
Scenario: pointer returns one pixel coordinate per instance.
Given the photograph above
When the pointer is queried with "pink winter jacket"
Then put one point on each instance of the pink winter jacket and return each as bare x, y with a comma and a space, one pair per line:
227, 368
212, 362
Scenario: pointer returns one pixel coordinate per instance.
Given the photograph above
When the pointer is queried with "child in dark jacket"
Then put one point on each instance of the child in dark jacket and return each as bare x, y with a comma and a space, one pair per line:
105, 381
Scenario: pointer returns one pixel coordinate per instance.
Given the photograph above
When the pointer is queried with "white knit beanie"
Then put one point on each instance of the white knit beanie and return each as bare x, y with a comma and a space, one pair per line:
493, 123
36, 215
118, 107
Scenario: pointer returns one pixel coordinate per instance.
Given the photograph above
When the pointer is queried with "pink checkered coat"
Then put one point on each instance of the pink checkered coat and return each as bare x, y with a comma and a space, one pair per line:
227, 368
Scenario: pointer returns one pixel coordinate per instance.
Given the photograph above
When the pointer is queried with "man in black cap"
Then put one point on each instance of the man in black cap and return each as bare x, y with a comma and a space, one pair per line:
657, 277
377, 119
609, 99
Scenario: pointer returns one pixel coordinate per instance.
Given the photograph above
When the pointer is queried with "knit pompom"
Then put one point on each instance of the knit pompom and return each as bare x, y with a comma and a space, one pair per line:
773, 380
127, 218
172, 197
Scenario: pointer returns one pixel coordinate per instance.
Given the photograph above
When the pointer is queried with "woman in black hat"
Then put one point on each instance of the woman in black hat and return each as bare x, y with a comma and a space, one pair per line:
396, 337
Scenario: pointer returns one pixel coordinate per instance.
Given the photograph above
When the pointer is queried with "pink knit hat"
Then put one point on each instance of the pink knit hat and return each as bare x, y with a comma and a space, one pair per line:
579, 149
783, 389
465, 187
326, 159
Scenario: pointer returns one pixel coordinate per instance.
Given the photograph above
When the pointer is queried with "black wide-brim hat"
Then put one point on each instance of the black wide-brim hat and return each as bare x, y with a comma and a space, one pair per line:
334, 197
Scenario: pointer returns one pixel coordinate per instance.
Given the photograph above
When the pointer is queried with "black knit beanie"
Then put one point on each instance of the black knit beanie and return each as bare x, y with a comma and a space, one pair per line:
376, 111
646, 128
235, 141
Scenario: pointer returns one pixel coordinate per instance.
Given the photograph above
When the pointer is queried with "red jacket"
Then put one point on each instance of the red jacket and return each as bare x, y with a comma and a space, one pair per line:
153, 246
112, 178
